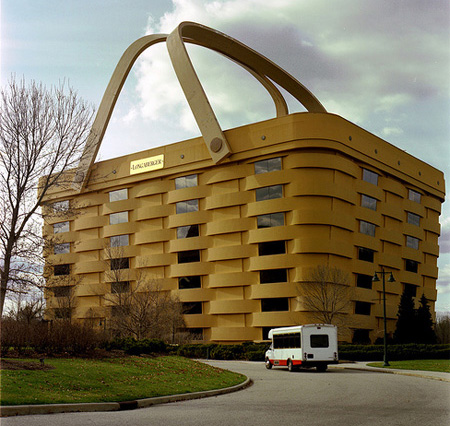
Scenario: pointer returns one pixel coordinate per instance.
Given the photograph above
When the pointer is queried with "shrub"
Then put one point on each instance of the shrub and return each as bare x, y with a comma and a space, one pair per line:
132, 346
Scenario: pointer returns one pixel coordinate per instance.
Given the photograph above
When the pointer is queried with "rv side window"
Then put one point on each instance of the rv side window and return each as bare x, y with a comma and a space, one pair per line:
284, 341
319, 341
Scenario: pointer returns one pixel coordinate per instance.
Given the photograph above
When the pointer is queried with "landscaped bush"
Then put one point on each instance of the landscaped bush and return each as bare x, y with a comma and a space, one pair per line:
132, 346
395, 352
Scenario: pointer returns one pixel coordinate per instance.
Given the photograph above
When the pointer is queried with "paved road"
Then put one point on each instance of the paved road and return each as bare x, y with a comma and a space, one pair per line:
279, 398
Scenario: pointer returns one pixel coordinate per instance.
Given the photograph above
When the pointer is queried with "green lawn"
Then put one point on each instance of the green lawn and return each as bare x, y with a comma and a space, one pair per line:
442, 365
115, 379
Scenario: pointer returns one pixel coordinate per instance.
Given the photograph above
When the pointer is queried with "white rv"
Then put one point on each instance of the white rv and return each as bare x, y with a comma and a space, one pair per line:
310, 345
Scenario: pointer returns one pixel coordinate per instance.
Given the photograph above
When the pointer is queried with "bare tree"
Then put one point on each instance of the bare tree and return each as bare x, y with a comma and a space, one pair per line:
42, 135
139, 308
326, 295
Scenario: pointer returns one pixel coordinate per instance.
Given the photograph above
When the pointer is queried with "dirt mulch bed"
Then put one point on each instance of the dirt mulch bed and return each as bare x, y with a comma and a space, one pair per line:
15, 364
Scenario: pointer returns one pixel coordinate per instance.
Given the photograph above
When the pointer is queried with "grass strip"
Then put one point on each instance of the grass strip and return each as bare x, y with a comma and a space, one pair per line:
442, 365
107, 380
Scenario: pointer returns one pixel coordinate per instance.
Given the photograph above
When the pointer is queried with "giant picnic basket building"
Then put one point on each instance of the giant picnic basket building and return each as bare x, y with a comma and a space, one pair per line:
234, 221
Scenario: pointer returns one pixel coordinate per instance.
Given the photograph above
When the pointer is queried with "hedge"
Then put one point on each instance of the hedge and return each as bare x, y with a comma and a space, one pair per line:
394, 352
137, 347
256, 351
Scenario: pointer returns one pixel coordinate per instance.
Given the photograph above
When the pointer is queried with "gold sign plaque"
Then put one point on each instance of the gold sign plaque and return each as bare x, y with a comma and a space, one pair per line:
147, 164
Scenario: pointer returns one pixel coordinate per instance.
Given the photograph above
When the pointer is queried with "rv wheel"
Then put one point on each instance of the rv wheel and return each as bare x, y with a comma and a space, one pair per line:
290, 365
268, 364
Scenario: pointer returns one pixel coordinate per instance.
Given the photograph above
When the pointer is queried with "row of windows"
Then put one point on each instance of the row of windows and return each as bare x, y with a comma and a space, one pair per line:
372, 177
368, 228
367, 255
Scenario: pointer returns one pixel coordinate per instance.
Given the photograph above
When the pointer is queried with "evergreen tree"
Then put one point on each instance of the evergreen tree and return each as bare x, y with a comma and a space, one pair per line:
406, 330
425, 332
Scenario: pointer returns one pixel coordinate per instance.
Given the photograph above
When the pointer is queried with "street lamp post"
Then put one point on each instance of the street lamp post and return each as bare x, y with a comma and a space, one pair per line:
390, 280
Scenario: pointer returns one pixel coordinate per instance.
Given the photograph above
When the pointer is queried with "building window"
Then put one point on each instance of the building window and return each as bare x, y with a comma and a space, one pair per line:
370, 176
186, 182
270, 220
187, 206
61, 270
119, 240
414, 196
63, 291
271, 247
412, 242
368, 202
189, 256
270, 165
120, 287
411, 290
120, 194
192, 308
61, 227
367, 228
362, 308
120, 263
411, 266
269, 192
115, 218
413, 219
273, 276
61, 206
364, 281
189, 282
361, 336
61, 248
275, 304
187, 231
365, 254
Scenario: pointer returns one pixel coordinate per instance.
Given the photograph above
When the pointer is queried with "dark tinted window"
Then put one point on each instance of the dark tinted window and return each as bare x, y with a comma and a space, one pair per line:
189, 282
120, 263
411, 290
365, 254
273, 276
189, 256
411, 265
61, 270
192, 308
271, 247
319, 341
275, 304
363, 281
362, 308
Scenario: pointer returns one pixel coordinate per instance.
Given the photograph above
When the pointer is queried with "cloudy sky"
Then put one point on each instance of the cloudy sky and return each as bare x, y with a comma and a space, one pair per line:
382, 64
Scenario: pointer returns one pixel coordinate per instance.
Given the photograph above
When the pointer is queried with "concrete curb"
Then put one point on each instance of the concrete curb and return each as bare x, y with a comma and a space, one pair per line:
24, 410
443, 377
